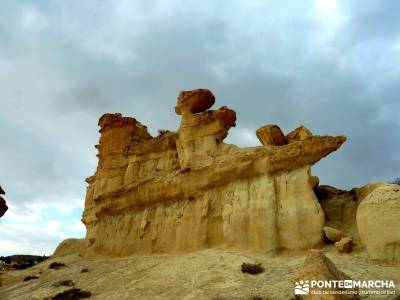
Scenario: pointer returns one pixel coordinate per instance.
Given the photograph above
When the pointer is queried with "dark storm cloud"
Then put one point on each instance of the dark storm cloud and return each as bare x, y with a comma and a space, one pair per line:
330, 65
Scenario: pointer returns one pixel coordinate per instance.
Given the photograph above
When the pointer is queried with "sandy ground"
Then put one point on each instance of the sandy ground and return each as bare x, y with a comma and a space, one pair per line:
208, 274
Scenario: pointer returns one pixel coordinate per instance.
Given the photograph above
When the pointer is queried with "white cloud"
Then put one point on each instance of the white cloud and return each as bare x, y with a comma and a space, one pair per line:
332, 65
243, 137
33, 19
38, 227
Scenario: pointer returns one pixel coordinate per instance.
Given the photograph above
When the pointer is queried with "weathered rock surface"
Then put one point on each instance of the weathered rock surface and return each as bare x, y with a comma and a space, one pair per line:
318, 267
378, 223
345, 245
3, 206
333, 234
187, 190
340, 208
362, 192
299, 134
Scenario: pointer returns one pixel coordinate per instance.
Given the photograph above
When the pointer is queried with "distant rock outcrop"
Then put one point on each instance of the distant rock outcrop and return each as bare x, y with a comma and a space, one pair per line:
187, 190
3, 204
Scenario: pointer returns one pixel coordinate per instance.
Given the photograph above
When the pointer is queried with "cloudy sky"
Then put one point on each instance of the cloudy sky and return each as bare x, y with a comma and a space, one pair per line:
331, 65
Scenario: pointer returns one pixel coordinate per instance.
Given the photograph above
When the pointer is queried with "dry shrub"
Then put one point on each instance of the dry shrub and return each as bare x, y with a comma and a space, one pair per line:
72, 294
252, 268
27, 278
67, 282
56, 265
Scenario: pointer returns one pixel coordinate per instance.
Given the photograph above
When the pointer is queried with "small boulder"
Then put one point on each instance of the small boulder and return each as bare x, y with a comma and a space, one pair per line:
333, 234
299, 134
195, 101
271, 135
345, 245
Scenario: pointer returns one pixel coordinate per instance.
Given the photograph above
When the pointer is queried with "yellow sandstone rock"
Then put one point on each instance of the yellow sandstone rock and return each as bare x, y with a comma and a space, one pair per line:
345, 245
271, 135
299, 134
70, 246
378, 223
188, 190
333, 234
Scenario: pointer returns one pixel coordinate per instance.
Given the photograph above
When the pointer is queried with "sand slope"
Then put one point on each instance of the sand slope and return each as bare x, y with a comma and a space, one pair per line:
207, 274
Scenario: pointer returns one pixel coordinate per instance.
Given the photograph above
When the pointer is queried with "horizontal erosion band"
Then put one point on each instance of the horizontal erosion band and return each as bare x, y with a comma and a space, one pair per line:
245, 163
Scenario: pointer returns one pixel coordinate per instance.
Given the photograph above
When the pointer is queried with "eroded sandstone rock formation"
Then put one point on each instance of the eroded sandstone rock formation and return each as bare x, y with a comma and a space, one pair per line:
378, 223
369, 215
188, 190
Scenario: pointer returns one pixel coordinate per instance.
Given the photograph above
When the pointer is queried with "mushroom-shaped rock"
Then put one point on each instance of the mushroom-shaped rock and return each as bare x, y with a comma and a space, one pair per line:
201, 131
149, 189
299, 134
378, 223
320, 268
271, 135
3, 206
195, 101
